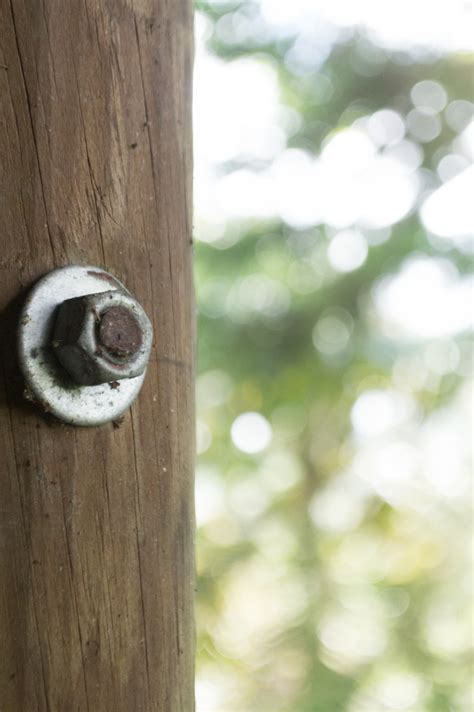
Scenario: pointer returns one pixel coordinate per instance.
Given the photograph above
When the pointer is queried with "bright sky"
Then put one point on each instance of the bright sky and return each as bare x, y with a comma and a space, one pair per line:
441, 24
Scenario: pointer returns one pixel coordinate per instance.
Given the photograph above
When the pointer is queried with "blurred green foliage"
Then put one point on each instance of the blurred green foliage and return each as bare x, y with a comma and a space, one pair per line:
296, 615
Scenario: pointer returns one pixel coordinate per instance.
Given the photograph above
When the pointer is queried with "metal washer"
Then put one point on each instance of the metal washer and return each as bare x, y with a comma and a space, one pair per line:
47, 382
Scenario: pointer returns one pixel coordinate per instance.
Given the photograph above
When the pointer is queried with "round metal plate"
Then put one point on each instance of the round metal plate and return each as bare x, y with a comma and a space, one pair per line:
48, 383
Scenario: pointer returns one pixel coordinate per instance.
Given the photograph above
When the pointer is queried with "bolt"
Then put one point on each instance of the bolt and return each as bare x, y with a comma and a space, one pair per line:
120, 332
102, 338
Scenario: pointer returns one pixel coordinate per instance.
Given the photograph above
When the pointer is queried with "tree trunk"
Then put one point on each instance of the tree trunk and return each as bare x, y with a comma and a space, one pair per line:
96, 524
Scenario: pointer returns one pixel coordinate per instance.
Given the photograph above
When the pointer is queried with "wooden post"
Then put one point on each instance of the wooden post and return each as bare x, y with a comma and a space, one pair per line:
96, 524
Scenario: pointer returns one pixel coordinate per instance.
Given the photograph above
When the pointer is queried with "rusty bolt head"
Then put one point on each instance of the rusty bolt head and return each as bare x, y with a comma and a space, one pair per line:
101, 338
120, 332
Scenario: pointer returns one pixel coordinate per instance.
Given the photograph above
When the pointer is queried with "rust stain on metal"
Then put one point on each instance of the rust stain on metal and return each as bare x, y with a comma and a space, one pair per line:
120, 332
103, 275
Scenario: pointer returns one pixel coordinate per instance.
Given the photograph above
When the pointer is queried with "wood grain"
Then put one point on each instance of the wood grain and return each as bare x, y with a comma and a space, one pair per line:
96, 525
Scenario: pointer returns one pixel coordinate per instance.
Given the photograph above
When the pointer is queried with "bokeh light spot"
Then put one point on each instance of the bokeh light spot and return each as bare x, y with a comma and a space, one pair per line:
347, 251
429, 94
251, 432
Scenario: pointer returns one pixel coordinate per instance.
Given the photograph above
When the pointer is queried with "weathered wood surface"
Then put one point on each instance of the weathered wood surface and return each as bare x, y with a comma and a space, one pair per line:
96, 525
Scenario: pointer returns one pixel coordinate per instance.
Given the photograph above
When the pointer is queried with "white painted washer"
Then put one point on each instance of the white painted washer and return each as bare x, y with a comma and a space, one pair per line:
48, 383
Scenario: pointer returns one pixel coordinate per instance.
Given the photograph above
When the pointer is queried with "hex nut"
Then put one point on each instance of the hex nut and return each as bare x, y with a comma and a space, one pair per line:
100, 338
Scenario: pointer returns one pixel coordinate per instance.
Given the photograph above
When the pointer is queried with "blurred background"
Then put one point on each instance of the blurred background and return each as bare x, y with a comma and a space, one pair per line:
333, 237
